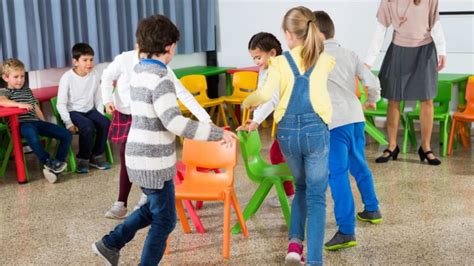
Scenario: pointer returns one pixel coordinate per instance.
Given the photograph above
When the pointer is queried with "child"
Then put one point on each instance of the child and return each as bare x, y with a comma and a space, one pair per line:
150, 150
302, 114
33, 124
118, 104
347, 137
262, 47
81, 109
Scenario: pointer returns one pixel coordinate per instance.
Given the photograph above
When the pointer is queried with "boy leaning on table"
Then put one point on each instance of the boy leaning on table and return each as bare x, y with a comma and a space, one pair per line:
33, 124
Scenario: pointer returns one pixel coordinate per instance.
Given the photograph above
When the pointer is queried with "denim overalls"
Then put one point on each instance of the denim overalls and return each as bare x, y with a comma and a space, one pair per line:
304, 140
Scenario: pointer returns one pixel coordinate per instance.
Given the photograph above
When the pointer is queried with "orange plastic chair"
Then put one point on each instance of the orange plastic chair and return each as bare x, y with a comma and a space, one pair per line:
197, 86
459, 118
244, 83
210, 186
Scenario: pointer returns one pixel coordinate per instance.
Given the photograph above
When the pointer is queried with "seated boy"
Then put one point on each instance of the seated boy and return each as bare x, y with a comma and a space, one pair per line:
347, 139
33, 124
81, 109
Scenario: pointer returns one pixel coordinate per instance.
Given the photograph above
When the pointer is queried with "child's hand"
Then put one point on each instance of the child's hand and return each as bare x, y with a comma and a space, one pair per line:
228, 138
25, 106
109, 108
371, 106
249, 126
73, 129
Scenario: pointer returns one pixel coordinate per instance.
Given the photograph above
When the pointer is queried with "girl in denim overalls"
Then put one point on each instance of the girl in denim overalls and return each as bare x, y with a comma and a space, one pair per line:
302, 115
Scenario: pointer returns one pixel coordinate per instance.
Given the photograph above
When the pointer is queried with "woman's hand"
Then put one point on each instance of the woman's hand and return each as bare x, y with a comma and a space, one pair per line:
441, 62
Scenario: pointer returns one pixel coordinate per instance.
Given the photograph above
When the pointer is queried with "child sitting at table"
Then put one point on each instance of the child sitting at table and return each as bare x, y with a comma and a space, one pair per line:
33, 124
81, 109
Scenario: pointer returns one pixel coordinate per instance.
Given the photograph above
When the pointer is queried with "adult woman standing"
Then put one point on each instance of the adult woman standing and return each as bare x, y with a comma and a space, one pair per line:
410, 68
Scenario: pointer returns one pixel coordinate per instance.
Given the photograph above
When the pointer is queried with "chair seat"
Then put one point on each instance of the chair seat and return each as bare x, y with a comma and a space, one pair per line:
464, 116
378, 112
234, 100
199, 192
279, 170
438, 115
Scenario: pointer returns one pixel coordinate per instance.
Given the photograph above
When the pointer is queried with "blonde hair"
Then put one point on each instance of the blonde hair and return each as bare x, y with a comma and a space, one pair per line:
10, 65
301, 22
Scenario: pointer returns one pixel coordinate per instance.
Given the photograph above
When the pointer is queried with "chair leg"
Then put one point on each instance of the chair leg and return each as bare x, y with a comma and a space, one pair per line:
240, 216
375, 133
233, 116
167, 249
72, 161
254, 203
226, 248
285, 206
451, 136
6, 158
182, 217
405, 140
465, 141
194, 217
445, 125
222, 110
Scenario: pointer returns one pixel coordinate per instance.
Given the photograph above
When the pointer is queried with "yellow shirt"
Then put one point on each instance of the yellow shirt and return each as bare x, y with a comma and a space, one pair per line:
281, 76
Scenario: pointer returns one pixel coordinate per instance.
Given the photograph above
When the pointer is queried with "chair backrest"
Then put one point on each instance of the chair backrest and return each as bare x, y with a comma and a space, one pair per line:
250, 148
442, 99
54, 108
470, 95
244, 83
209, 154
196, 85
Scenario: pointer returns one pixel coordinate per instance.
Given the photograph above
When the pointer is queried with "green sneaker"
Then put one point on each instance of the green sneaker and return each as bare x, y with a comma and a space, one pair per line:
340, 241
374, 217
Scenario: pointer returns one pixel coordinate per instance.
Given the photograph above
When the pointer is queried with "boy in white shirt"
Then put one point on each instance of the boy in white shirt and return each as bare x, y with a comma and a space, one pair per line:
80, 107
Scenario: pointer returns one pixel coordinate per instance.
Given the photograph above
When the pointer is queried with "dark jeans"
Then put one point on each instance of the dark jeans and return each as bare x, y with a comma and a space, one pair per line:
90, 124
160, 213
31, 130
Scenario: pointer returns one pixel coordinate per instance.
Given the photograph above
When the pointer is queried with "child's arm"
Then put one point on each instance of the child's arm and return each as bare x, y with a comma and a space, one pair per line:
270, 84
111, 72
39, 113
63, 98
5, 102
167, 109
261, 113
368, 79
98, 97
188, 99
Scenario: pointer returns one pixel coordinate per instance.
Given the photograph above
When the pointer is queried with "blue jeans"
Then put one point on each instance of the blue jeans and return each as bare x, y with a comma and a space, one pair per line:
304, 140
347, 153
31, 130
160, 213
91, 124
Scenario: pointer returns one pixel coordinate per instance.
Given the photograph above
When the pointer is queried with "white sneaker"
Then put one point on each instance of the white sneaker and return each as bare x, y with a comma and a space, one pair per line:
275, 202
143, 200
117, 211
50, 176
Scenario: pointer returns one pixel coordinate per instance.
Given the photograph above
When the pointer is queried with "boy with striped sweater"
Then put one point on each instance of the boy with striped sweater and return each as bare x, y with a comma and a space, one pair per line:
150, 150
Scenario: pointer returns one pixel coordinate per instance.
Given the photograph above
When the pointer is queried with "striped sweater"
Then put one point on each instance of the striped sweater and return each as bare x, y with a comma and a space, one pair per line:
150, 153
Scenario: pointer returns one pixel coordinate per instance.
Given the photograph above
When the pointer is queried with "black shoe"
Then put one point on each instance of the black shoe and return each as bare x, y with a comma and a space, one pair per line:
373, 217
111, 257
339, 241
424, 155
391, 154
55, 166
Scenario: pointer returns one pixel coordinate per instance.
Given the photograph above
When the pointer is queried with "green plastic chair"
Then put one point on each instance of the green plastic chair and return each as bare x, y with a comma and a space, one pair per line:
441, 114
72, 156
264, 174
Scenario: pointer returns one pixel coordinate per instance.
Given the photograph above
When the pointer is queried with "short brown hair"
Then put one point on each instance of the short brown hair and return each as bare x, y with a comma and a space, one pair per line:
80, 49
155, 33
11, 64
266, 42
325, 24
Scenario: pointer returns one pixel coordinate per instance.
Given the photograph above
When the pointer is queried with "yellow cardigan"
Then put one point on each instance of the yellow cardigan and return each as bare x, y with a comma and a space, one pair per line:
280, 76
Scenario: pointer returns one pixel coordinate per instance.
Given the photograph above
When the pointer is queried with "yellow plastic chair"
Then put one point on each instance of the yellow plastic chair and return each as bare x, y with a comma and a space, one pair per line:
244, 83
197, 86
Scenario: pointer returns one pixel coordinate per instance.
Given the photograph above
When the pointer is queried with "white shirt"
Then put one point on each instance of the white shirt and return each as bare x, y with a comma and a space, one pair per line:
264, 110
80, 94
121, 69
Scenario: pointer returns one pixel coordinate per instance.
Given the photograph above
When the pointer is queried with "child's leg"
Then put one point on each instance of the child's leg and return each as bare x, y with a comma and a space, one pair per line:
29, 131
124, 183
276, 157
339, 182
102, 125
316, 172
163, 213
360, 170
61, 134
86, 134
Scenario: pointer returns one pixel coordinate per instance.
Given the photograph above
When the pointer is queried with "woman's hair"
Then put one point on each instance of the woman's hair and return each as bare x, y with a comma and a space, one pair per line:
300, 21
266, 42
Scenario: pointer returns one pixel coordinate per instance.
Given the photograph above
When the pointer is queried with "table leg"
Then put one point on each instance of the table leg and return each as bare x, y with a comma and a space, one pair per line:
228, 82
17, 149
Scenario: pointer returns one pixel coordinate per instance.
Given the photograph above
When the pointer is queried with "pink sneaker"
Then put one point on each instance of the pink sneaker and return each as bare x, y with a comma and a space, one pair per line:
294, 255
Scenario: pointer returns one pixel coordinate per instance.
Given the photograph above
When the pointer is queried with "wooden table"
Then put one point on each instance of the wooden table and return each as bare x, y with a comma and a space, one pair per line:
206, 71
12, 113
